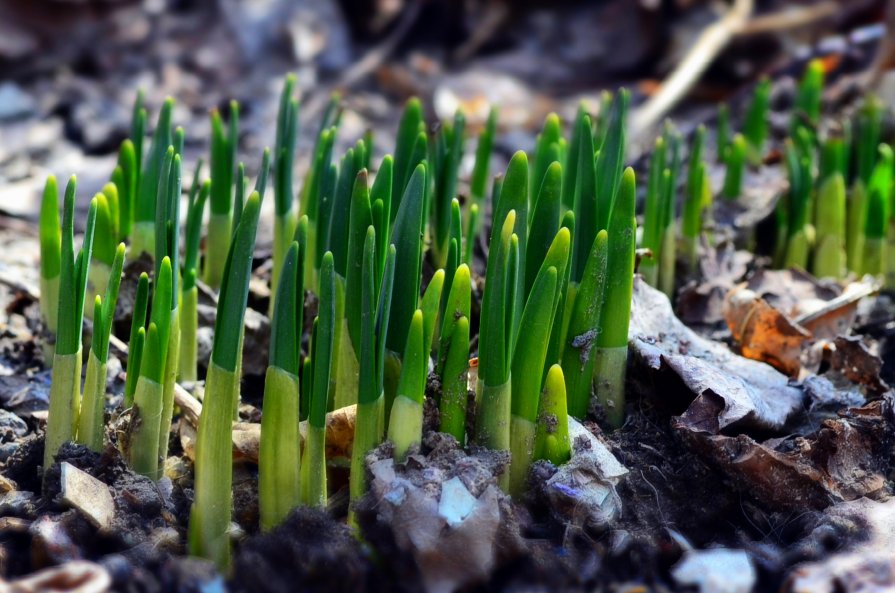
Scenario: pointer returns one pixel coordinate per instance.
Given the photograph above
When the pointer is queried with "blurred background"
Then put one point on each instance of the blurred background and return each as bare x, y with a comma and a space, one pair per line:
70, 69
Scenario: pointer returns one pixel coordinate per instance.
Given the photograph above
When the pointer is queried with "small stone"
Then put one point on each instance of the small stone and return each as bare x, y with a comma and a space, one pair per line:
11, 426
717, 570
456, 502
88, 495
14, 102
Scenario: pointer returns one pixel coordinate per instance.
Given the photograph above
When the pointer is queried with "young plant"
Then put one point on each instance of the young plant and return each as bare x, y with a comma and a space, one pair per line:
124, 177
50, 264
652, 216
530, 355
829, 253
798, 204
104, 248
313, 463
611, 354
691, 223
65, 382
90, 419
668, 185
149, 393
453, 355
447, 150
223, 165
868, 125
584, 328
549, 149
284, 159
722, 132
137, 339
167, 245
375, 311
552, 436
755, 127
478, 182
143, 240
806, 114
405, 236
315, 189
210, 515
410, 151
405, 426
879, 197
494, 390
189, 292
736, 165
280, 447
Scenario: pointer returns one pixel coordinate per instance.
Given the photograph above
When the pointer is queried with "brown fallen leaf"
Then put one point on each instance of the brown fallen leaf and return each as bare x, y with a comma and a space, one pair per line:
749, 392
845, 459
777, 315
78, 576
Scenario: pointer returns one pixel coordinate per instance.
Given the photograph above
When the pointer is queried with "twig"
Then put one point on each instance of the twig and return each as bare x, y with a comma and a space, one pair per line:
886, 51
790, 18
367, 64
712, 41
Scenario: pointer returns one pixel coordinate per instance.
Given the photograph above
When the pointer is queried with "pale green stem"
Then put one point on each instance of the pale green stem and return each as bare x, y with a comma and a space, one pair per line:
874, 262
49, 309
209, 530
522, 443
405, 427
171, 364
283, 234
97, 280
189, 328
90, 420
667, 263
797, 250
367, 434
610, 365
65, 395
142, 239
279, 456
148, 403
218, 243
313, 468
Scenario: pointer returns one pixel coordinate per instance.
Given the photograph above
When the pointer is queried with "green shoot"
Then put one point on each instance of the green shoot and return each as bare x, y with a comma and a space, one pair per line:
223, 168
279, 458
284, 160
478, 183
612, 342
65, 387
137, 339
210, 515
755, 127
90, 419
50, 264
405, 426
879, 205
313, 463
530, 354
552, 436
145, 199
736, 166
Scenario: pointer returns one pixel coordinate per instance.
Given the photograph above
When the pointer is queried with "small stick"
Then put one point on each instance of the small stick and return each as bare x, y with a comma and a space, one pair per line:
712, 41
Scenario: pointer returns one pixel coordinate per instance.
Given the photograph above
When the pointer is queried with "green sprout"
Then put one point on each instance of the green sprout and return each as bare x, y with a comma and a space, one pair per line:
284, 159
104, 248
611, 354
755, 126
313, 463
376, 303
279, 459
50, 263
149, 393
879, 204
653, 215
530, 355
90, 419
405, 426
210, 515
806, 114
798, 204
223, 165
736, 166
137, 338
583, 329
552, 436
143, 240
447, 152
868, 125
478, 182
453, 352
65, 385
722, 132
189, 291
